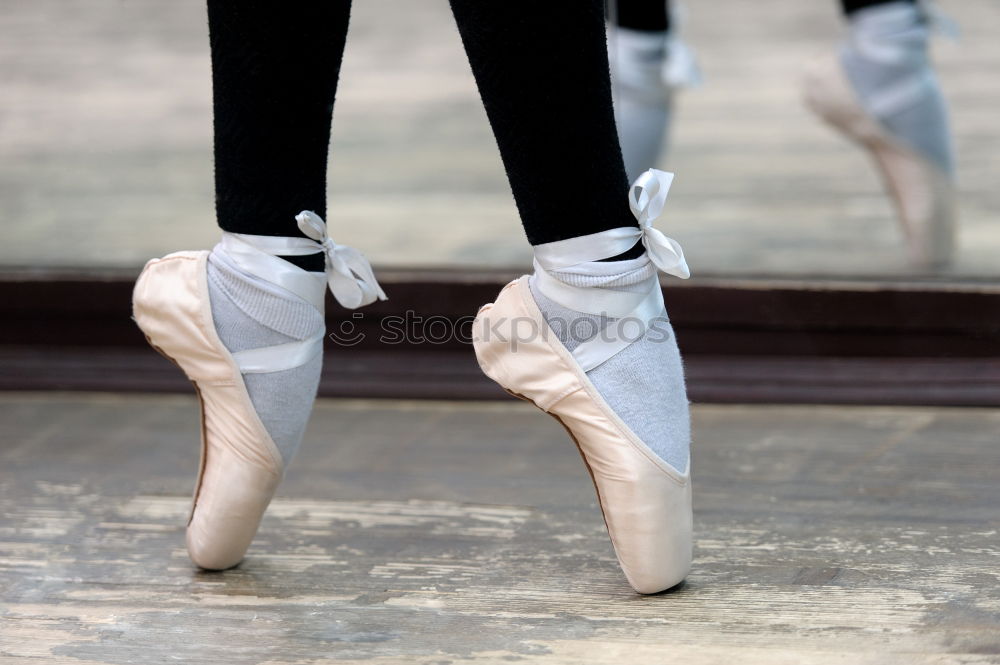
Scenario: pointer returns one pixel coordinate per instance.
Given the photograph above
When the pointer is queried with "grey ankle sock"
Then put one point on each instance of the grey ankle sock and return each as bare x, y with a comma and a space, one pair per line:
250, 313
885, 59
644, 383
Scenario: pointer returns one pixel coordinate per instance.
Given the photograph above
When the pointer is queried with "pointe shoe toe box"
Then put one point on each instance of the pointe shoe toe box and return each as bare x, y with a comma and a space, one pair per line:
646, 503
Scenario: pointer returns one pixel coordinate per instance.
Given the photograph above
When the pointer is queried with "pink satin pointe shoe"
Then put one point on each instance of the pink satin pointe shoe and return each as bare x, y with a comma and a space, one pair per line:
922, 193
646, 503
240, 465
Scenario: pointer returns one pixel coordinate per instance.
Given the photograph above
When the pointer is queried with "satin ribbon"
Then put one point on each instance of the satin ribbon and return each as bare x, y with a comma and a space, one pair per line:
350, 276
646, 199
582, 256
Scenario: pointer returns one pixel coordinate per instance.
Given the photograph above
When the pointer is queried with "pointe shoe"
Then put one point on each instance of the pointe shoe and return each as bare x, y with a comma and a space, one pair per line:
646, 503
240, 466
922, 193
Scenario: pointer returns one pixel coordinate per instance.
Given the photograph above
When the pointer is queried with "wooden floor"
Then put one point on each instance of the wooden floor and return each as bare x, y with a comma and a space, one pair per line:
434, 532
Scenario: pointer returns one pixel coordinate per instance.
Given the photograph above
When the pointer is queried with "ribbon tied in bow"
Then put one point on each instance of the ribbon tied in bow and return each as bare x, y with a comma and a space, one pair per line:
646, 199
350, 276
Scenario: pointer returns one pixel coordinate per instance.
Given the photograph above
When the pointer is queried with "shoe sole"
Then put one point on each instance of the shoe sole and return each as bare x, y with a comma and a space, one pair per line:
201, 420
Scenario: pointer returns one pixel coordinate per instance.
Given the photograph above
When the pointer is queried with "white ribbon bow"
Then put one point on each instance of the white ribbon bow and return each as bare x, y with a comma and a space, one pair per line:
350, 275
646, 198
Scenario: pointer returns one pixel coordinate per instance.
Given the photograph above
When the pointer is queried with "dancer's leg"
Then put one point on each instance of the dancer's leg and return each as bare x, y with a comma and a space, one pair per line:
640, 15
274, 74
275, 67
885, 57
851, 6
542, 71
245, 321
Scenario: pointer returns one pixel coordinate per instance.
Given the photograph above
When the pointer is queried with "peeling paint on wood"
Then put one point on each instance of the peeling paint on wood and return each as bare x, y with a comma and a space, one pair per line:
444, 533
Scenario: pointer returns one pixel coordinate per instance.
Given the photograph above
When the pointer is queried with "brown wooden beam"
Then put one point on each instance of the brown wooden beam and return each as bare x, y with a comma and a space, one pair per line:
743, 340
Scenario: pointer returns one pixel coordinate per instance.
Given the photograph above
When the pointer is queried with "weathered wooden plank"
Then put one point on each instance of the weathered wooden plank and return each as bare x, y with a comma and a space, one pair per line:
431, 532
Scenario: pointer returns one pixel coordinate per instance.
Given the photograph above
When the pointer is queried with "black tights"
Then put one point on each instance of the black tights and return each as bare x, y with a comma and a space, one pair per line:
652, 15
274, 71
275, 67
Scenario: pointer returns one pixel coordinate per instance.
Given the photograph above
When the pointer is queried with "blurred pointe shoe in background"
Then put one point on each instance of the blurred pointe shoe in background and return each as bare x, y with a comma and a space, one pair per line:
881, 92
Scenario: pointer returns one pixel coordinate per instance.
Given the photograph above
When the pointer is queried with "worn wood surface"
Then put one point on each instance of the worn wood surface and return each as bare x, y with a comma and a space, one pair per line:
434, 532
105, 142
